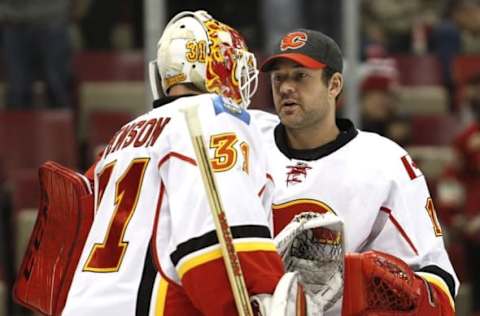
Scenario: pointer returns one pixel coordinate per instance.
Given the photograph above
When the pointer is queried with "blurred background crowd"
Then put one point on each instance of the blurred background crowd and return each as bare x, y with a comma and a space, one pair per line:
73, 71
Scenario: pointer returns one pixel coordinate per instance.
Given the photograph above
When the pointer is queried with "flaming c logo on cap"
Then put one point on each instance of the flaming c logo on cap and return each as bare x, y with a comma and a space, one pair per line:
293, 40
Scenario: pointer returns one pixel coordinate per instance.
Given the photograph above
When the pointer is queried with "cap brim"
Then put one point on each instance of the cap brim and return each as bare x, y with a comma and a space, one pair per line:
300, 59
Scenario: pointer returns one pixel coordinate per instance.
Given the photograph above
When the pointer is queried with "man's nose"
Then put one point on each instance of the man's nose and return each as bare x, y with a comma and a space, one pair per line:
287, 87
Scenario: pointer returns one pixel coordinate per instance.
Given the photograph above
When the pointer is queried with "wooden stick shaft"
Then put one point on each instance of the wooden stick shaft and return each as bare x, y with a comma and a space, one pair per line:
224, 234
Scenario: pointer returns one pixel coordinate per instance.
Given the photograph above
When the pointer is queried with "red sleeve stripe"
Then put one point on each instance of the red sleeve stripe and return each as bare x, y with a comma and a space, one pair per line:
153, 241
399, 228
409, 168
153, 244
176, 155
261, 190
269, 177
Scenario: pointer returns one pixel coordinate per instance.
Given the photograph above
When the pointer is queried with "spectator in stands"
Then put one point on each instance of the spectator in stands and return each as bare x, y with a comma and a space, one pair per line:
459, 190
399, 26
379, 111
377, 104
457, 33
36, 45
378, 98
399, 130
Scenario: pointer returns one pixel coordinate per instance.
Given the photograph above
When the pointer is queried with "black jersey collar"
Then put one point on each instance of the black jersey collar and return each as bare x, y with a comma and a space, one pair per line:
347, 133
164, 100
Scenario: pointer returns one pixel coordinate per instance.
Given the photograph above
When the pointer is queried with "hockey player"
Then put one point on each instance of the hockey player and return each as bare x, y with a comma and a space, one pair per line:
152, 216
151, 205
324, 164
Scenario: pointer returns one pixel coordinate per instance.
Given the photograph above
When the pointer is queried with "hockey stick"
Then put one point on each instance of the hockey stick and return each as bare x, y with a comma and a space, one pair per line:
224, 234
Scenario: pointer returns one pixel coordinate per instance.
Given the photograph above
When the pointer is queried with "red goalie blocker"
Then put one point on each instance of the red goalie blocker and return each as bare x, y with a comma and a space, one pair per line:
378, 284
64, 218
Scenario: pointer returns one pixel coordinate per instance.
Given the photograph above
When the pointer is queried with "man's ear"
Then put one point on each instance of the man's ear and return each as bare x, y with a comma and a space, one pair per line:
335, 85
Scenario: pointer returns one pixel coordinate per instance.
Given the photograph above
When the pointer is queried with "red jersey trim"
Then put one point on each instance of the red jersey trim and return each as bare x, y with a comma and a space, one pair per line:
409, 168
399, 228
155, 227
269, 177
176, 155
440, 284
260, 193
153, 247
208, 286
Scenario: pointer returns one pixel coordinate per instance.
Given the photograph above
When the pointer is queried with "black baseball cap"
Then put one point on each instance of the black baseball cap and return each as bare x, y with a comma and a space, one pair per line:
311, 49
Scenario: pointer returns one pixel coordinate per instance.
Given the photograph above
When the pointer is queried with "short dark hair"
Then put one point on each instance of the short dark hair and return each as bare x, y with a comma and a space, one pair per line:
327, 74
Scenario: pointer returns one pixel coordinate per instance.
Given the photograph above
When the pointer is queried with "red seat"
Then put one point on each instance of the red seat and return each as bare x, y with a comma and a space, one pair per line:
25, 196
109, 66
31, 137
419, 70
25, 189
103, 125
464, 68
434, 129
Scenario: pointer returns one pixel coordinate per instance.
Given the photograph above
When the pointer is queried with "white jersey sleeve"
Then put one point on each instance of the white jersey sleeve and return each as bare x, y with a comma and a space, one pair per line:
407, 225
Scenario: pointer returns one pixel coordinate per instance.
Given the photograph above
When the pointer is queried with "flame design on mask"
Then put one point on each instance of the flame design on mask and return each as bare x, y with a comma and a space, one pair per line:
222, 61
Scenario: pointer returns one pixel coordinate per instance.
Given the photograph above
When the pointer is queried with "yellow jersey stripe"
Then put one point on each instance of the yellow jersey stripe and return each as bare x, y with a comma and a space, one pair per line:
216, 253
300, 201
161, 297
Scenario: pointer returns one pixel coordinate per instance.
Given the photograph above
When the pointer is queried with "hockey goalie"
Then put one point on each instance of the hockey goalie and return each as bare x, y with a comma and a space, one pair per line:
370, 283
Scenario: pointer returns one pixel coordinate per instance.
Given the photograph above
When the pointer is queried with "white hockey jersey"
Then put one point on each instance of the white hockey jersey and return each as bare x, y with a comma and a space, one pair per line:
372, 184
153, 219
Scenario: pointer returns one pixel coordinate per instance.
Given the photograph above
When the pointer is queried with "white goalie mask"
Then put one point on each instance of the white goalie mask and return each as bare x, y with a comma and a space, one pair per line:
197, 49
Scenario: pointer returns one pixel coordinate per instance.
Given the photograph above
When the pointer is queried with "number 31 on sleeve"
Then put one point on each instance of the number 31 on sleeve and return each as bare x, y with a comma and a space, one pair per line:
225, 154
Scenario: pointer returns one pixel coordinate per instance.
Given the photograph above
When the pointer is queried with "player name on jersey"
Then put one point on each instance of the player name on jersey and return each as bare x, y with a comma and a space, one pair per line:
137, 134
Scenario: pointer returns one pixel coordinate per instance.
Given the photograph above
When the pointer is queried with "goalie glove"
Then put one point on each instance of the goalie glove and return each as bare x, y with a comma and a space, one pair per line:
289, 299
312, 245
380, 284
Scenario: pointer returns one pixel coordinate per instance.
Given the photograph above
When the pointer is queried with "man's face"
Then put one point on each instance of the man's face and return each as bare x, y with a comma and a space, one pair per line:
300, 95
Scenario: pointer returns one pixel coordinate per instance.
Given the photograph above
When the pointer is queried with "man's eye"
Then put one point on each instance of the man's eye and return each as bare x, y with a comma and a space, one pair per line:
276, 78
301, 76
